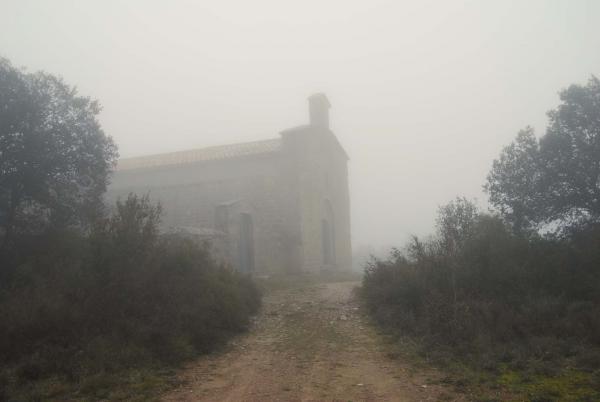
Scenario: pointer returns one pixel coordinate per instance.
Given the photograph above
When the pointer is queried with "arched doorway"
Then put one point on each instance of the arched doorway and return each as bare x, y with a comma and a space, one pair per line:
328, 235
246, 243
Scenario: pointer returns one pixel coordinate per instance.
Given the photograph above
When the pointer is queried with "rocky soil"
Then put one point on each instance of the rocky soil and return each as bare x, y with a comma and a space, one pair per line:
310, 343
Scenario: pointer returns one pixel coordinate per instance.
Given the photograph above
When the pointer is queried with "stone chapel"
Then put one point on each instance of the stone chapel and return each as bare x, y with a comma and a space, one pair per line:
279, 205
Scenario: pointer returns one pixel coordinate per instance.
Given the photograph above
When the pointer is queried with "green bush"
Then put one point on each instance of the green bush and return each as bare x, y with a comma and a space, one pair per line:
122, 296
477, 289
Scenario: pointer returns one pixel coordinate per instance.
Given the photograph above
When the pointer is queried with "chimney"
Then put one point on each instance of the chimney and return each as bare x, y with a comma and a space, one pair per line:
318, 108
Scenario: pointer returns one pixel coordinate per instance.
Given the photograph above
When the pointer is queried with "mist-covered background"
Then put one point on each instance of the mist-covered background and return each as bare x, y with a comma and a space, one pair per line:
424, 94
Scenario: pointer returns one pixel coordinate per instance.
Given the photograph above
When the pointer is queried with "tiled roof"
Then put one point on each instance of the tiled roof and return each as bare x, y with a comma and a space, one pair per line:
220, 152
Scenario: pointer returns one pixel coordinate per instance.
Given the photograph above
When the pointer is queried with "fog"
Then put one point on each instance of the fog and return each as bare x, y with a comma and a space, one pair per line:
424, 94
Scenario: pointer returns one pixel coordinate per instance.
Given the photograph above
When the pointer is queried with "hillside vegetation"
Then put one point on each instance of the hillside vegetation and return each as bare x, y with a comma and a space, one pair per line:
518, 309
512, 297
83, 314
93, 305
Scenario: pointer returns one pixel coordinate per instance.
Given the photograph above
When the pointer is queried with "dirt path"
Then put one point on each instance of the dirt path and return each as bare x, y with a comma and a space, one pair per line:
308, 344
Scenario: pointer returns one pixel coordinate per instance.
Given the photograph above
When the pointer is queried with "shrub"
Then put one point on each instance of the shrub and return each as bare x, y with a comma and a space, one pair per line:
121, 297
476, 287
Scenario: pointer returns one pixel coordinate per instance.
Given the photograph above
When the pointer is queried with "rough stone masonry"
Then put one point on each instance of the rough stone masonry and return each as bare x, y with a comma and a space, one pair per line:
270, 206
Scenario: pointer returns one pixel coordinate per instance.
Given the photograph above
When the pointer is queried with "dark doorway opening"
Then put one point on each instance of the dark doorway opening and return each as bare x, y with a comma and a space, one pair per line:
246, 246
326, 237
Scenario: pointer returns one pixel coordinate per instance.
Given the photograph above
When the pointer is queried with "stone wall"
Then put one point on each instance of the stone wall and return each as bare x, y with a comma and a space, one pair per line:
320, 171
192, 194
296, 194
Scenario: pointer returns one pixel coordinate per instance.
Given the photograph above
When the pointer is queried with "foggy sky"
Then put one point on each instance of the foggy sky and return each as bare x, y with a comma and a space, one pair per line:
424, 94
